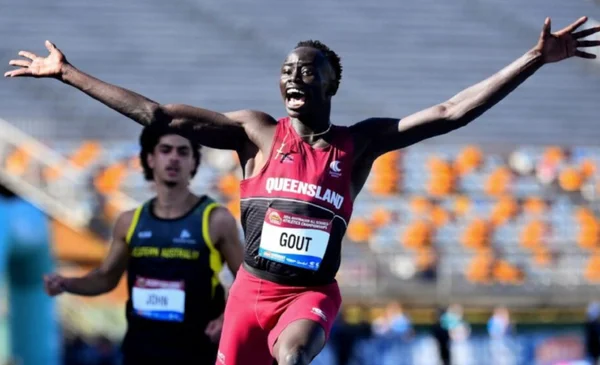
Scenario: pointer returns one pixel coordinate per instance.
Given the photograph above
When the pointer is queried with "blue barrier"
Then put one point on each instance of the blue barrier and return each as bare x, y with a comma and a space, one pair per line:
25, 255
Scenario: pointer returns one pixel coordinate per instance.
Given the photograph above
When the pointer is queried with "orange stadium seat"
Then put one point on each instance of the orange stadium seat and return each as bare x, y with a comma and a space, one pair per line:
479, 269
505, 209
476, 235
570, 179
381, 217
420, 206
534, 206
589, 229
462, 205
417, 235
384, 184
468, 159
359, 230
587, 168
441, 177
506, 273
229, 185
385, 175
386, 160
18, 161
86, 154
440, 185
439, 216
498, 182
533, 233
553, 155
435, 163
109, 180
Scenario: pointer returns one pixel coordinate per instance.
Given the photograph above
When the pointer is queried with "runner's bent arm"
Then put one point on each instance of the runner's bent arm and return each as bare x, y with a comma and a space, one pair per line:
382, 135
225, 234
106, 277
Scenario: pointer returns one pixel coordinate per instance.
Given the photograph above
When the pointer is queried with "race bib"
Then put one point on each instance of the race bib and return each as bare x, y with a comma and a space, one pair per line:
294, 239
159, 300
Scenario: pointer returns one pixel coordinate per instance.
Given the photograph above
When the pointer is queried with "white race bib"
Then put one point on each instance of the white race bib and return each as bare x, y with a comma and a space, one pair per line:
294, 239
158, 299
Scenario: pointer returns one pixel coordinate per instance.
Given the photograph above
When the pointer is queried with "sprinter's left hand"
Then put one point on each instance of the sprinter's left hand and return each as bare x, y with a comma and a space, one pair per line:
213, 330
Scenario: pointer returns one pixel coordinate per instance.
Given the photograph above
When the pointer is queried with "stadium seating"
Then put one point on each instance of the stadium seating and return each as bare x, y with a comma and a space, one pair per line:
504, 217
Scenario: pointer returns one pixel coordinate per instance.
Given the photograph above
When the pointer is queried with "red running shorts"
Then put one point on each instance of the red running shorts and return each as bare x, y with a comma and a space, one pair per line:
258, 311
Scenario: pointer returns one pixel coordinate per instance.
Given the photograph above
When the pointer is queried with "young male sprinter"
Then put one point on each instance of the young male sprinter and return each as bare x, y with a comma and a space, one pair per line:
172, 247
302, 175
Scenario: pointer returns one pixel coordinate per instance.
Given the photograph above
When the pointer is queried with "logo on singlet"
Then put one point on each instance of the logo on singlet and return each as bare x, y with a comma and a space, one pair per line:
334, 169
145, 234
184, 237
275, 218
221, 357
319, 313
303, 188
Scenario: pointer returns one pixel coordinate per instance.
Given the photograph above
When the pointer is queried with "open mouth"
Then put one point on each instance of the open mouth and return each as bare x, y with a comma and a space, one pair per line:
295, 98
172, 170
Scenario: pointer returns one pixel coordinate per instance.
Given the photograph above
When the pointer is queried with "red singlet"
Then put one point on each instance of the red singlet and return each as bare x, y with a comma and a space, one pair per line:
296, 210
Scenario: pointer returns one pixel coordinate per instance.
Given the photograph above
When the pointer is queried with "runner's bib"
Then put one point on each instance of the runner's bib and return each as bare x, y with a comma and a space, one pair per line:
294, 239
158, 299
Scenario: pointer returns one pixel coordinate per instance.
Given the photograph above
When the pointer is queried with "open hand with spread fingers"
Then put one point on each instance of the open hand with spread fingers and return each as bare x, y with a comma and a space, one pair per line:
36, 66
566, 43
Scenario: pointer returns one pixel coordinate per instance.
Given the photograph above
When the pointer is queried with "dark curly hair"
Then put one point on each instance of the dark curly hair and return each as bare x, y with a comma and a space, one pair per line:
150, 137
332, 57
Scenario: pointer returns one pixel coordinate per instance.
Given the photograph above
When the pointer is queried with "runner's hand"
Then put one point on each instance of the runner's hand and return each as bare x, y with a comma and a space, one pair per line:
564, 44
36, 66
54, 284
213, 330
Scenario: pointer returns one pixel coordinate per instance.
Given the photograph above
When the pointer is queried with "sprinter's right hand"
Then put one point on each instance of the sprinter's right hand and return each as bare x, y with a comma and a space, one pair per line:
32, 65
54, 284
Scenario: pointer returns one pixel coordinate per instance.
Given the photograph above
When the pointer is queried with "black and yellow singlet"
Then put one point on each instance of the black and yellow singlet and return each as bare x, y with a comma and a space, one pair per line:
172, 275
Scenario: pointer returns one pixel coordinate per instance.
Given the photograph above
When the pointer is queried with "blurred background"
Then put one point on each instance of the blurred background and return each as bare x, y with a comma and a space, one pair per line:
483, 242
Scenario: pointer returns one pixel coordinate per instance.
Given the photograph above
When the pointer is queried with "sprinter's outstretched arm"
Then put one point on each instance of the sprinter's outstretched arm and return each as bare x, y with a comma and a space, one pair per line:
381, 135
216, 130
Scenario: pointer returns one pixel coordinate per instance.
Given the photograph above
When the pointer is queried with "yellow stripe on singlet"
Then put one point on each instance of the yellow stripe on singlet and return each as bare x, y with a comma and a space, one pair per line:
215, 260
134, 222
